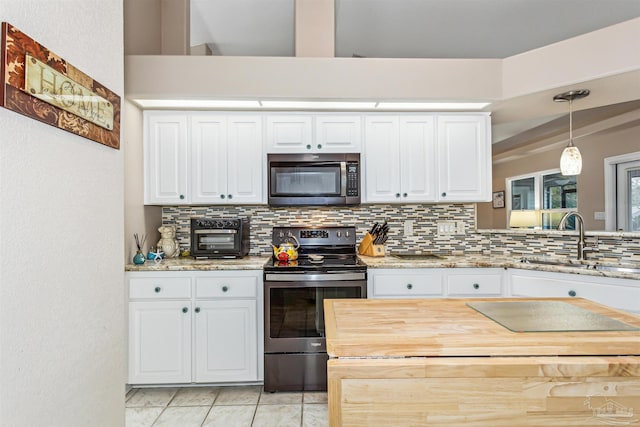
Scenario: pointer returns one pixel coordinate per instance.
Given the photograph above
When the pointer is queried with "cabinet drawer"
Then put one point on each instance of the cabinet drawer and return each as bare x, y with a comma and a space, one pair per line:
227, 287
407, 285
161, 287
466, 284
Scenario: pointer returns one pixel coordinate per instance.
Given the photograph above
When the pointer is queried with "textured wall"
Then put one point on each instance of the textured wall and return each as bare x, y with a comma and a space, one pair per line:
62, 346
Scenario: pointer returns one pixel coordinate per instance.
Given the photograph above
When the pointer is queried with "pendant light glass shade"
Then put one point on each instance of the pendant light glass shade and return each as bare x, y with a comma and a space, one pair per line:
571, 159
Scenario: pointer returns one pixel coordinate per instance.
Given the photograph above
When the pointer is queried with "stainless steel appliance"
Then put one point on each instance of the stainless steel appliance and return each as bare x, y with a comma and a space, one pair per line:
294, 291
219, 237
314, 179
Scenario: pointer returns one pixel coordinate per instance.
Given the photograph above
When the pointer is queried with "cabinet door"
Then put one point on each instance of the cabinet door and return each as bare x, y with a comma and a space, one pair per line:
418, 159
226, 341
464, 157
475, 282
623, 294
338, 134
289, 134
382, 161
209, 158
244, 173
159, 342
166, 150
405, 283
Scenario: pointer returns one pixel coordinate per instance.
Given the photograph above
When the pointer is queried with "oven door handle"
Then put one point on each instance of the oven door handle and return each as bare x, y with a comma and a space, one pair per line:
302, 277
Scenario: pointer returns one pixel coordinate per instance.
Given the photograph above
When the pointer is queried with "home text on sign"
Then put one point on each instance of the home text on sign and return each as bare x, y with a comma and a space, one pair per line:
56, 89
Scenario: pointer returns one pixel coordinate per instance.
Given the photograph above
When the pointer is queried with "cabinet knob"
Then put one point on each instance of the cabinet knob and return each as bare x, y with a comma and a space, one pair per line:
319, 146
185, 309
444, 194
230, 196
158, 289
404, 194
476, 286
225, 288
409, 286
308, 146
572, 293
222, 196
197, 309
182, 197
397, 194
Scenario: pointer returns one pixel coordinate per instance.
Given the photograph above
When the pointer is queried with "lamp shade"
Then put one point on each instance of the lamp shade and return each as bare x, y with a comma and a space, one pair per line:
571, 161
523, 219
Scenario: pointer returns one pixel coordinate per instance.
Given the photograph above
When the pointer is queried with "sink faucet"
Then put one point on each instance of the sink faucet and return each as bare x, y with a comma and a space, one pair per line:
583, 248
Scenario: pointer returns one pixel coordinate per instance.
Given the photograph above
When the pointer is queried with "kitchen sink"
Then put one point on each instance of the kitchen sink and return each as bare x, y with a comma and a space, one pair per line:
556, 262
619, 268
417, 256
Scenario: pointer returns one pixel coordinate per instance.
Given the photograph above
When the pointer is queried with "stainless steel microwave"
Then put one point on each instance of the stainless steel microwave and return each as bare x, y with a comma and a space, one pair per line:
314, 179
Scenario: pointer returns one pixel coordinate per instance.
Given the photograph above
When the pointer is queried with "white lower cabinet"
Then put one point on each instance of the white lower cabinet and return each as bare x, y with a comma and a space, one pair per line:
159, 342
202, 327
623, 294
436, 282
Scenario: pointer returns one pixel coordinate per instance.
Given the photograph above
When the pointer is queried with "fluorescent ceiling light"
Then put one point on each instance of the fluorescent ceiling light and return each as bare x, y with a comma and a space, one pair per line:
308, 105
318, 105
431, 105
196, 103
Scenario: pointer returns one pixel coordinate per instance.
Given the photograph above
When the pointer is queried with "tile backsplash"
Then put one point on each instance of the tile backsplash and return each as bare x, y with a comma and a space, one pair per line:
425, 217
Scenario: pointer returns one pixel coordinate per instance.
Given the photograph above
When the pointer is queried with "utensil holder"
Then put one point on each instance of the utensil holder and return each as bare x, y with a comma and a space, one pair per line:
368, 248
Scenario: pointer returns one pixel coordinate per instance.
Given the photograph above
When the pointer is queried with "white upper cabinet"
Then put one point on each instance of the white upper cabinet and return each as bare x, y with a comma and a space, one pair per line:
464, 152
427, 158
166, 159
338, 134
203, 158
400, 159
226, 159
313, 133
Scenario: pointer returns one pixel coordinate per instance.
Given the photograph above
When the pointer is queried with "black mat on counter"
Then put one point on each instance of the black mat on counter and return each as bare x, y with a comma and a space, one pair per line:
547, 316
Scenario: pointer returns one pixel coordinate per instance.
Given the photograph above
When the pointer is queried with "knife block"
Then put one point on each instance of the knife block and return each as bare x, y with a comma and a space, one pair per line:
368, 248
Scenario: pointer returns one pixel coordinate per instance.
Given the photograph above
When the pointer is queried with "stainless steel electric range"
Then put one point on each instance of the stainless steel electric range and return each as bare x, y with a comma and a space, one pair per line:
327, 267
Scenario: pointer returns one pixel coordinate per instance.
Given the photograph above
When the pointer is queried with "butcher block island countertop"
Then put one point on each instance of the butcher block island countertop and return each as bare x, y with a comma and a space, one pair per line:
439, 362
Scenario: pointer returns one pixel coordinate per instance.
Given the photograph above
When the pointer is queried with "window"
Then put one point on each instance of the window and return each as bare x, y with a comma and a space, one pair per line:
548, 192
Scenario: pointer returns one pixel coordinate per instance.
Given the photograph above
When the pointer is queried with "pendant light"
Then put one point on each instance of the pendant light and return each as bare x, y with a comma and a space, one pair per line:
571, 160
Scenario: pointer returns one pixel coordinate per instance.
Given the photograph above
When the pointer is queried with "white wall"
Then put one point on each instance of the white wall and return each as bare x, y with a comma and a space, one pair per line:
62, 346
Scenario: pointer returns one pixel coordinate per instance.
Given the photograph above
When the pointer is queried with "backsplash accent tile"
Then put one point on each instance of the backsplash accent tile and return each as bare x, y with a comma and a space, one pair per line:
425, 236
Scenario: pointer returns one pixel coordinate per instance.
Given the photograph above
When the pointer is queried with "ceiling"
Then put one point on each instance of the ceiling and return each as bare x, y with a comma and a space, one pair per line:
406, 28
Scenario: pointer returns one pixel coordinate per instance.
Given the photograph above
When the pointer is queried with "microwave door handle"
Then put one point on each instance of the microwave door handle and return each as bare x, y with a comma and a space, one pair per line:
343, 179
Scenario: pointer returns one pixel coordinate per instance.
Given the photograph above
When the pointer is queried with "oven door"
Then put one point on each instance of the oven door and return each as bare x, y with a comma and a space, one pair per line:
294, 312
215, 241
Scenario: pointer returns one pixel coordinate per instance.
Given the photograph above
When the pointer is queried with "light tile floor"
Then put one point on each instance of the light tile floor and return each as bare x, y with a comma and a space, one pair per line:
246, 406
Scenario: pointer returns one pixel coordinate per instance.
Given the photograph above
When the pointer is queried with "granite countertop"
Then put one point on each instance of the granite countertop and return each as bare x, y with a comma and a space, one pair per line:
389, 261
190, 264
485, 261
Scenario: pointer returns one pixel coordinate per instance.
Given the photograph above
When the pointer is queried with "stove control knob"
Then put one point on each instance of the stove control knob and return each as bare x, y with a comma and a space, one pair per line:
346, 234
281, 235
339, 234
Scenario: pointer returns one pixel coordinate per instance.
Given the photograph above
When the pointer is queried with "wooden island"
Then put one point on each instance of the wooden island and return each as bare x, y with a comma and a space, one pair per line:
439, 362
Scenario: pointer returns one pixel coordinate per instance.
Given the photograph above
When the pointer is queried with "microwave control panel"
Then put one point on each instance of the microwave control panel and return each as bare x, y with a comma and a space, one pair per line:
353, 178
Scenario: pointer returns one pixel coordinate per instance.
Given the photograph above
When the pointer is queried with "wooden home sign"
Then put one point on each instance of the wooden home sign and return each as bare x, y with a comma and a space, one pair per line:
39, 84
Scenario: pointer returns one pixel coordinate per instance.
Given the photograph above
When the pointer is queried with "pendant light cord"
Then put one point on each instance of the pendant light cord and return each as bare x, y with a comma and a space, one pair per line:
570, 122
